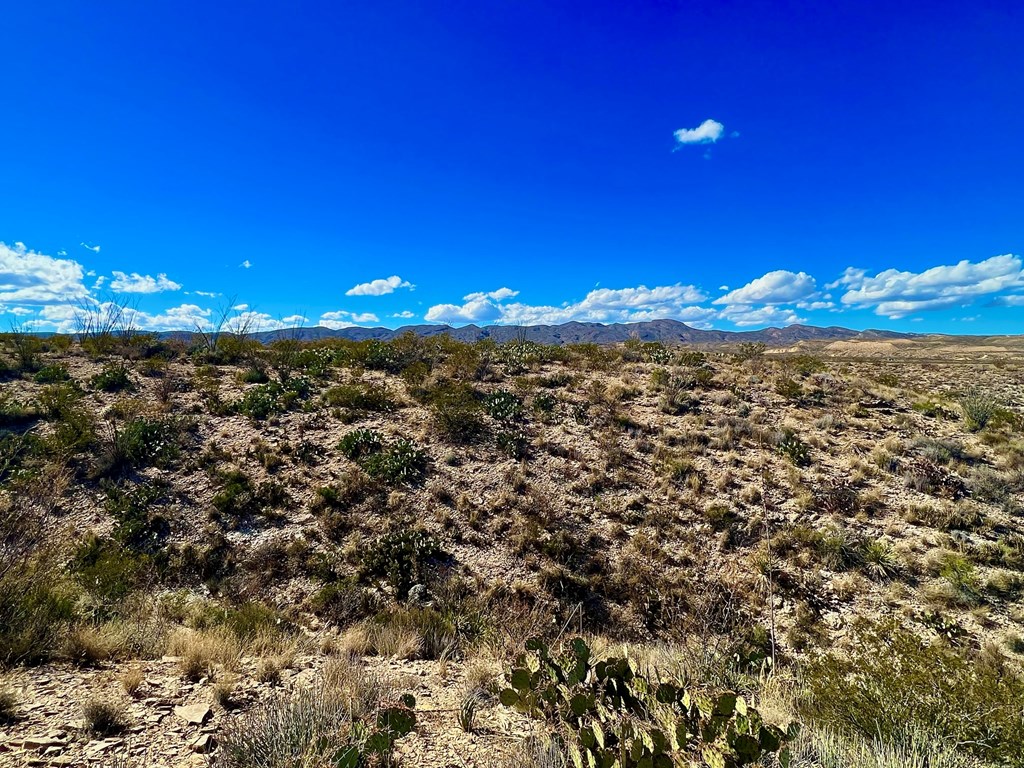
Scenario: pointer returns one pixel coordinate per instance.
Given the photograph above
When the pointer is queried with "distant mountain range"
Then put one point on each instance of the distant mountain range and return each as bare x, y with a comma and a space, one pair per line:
574, 333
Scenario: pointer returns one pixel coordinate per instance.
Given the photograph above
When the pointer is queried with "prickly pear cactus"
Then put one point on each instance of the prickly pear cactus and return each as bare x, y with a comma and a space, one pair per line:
609, 716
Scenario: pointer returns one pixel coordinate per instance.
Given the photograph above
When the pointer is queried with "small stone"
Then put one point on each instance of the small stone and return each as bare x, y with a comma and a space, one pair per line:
195, 714
41, 742
203, 743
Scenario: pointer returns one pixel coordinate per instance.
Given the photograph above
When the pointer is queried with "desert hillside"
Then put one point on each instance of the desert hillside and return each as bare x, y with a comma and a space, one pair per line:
334, 553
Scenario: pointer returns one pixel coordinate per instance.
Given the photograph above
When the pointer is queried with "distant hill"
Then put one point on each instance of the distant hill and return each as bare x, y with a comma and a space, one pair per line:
575, 333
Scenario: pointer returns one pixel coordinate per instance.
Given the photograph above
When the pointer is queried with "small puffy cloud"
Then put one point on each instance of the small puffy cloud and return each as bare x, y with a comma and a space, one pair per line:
240, 307
136, 283
20, 311
379, 287
777, 287
28, 277
851, 278
404, 314
499, 295
896, 294
1015, 300
93, 248
707, 132
207, 294
344, 319
246, 264
477, 310
294, 320
744, 315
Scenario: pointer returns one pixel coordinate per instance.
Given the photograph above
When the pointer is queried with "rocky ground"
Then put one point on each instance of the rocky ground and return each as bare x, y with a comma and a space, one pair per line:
650, 490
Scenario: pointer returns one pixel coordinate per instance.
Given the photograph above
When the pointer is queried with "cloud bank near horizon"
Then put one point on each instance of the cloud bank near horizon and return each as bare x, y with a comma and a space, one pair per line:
50, 293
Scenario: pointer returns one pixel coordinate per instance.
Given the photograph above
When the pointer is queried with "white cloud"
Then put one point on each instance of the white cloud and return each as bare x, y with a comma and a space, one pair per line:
404, 314
895, 294
93, 248
344, 319
603, 305
294, 320
379, 287
27, 277
851, 277
207, 294
777, 287
136, 283
744, 315
20, 311
64, 318
1016, 300
246, 264
499, 295
707, 132
240, 307
480, 310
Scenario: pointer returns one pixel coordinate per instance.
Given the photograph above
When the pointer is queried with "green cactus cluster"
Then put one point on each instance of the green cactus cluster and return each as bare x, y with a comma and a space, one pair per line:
793, 448
398, 462
609, 715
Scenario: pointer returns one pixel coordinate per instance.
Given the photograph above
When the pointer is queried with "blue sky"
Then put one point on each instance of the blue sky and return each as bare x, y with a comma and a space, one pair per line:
732, 164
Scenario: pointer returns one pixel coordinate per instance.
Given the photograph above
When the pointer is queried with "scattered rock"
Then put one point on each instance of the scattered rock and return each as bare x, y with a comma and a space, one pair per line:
203, 743
195, 714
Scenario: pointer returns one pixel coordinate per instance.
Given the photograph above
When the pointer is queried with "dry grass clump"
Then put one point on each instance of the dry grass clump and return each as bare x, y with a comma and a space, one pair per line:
8, 706
90, 645
132, 680
104, 717
202, 652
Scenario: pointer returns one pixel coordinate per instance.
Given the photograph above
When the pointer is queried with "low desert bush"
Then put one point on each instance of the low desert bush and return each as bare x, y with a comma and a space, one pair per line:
890, 684
977, 408
104, 717
360, 396
114, 377
315, 726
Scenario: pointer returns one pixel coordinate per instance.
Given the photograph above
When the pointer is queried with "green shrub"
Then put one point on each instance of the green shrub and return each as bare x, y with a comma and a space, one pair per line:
35, 612
262, 400
139, 442
400, 558
360, 397
343, 602
456, 412
107, 570
361, 443
239, 498
114, 377
57, 399
890, 683
977, 408
793, 448
398, 463
504, 406
749, 350
56, 373
789, 388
